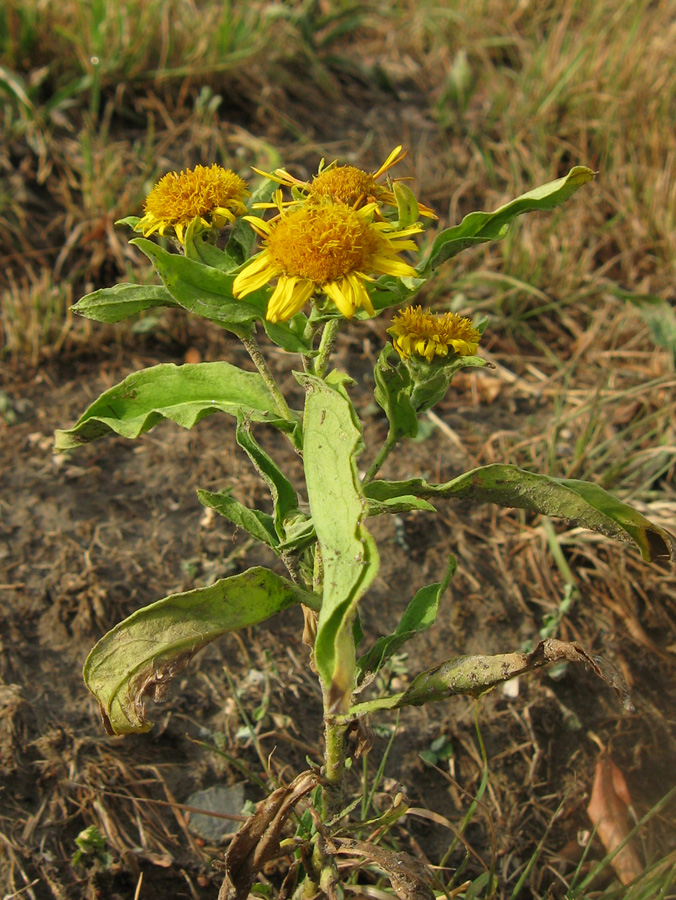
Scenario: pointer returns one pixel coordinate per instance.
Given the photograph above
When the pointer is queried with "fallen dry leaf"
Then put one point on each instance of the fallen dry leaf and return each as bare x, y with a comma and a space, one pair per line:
608, 811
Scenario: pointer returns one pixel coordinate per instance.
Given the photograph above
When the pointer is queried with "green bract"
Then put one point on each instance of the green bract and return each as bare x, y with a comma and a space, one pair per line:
329, 554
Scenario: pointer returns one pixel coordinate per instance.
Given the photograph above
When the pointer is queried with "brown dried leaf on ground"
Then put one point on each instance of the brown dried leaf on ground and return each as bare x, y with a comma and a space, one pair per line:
608, 811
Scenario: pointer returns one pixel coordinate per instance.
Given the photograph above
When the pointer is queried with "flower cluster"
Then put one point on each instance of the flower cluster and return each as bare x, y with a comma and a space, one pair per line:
213, 194
330, 239
415, 330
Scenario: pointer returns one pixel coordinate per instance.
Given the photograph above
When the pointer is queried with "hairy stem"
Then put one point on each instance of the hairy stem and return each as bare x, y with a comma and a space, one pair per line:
326, 346
254, 352
383, 453
333, 799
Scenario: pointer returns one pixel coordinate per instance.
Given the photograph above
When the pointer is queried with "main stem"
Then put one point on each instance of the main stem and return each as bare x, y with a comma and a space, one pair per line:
254, 352
326, 343
333, 799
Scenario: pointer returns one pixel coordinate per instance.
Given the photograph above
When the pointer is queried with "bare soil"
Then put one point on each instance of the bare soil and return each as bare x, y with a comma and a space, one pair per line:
86, 540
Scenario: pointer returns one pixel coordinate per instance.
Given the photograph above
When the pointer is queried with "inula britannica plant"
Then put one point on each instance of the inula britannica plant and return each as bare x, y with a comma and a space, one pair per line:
300, 260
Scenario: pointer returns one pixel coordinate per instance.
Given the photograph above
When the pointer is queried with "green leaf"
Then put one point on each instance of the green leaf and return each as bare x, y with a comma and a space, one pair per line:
407, 205
290, 335
255, 522
479, 227
389, 291
577, 501
121, 301
200, 247
420, 614
431, 381
393, 394
659, 316
283, 495
144, 652
184, 394
332, 442
396, 505
131, 221
205, 291
243, 237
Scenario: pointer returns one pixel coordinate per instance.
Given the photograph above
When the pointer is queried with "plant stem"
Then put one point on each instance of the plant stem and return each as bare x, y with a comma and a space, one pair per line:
334, 765
254, 352
383, 453
326, 346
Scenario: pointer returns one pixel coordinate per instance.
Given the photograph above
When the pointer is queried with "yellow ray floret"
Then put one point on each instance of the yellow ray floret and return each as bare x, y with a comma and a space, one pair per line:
415, 331
347, 184
328, 247
214, 194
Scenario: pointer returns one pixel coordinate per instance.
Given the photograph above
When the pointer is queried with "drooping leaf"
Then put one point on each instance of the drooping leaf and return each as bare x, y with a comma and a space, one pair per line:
255, 522
332, 442
184, 394
474, 675
284, 499
479, 227
141, 655
204, 290
116, 303
579, 502
419, 615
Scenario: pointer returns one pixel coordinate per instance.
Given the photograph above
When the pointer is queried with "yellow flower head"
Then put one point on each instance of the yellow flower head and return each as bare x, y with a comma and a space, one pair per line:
331, 247
213, 193
429, 335
347, 184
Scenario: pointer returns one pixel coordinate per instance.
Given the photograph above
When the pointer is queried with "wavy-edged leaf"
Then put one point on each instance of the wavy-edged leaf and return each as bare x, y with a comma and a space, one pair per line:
475, 675
116, 303
393, 394
284, 499
579, 502
420, 614
184, 394
141, 655
332, 440
254, 521
204, 290
200, 247
479, 227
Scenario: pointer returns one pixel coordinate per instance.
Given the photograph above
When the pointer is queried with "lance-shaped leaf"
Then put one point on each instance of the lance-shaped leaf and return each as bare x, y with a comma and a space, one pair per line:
121, 301
332, 440
255, 522
474, 675
393, 394
242, 236
479, 227
284, 499
141, 655
204, 290
579, 502
420, 613
184, 394
389, 291
200, 247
